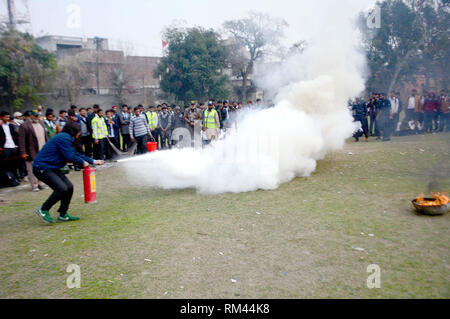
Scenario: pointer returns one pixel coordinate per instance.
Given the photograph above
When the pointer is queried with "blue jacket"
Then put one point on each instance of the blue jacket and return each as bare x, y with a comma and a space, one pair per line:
115, 126
58, 152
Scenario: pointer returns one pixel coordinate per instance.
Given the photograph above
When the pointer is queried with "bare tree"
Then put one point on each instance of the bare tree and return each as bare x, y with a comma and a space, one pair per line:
122, 72
72, 75
297, 48
120, 79
126, 47
251, 39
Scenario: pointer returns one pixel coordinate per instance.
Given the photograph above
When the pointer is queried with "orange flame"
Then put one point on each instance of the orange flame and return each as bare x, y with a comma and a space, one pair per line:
440, 199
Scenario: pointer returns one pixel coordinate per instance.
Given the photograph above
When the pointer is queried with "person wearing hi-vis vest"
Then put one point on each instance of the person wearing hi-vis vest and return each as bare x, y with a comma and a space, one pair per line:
211, 123
152, 119
99, 134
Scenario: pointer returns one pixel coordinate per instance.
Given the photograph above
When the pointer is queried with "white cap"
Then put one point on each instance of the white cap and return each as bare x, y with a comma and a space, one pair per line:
17, 114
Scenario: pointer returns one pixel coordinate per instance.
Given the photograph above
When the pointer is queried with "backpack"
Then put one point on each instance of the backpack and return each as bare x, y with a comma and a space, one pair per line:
146, 118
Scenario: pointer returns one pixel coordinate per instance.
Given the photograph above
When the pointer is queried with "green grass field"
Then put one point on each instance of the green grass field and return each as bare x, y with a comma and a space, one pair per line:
294, 242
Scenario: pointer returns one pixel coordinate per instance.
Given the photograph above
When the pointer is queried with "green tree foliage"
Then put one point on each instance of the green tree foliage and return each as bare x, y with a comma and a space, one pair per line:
24, 70
192, 66
413, 37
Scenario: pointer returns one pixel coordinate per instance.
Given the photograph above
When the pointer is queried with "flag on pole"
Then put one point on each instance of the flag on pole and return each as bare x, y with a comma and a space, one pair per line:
164, 44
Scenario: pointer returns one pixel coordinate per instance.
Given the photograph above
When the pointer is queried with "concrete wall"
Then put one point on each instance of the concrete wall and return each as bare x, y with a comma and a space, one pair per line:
50, 43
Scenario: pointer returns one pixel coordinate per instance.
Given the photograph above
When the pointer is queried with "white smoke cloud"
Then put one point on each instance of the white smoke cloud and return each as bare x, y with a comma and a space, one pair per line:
275, 145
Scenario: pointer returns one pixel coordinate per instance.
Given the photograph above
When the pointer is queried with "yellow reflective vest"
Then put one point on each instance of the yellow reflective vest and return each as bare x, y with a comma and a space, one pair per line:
152, 119
210, 119
101, 128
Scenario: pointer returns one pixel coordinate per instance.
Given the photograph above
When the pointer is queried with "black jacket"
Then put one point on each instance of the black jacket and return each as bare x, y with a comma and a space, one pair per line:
372, 106
178, 120
124, 123
89, 119
359, 110
384, 109
223, 113
14, 135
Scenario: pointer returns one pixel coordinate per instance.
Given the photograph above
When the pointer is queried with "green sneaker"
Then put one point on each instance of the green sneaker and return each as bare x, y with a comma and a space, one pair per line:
45, 216
68, 218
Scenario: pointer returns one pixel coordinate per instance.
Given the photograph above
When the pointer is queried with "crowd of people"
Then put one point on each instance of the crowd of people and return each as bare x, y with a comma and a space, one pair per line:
383, 116
107, 133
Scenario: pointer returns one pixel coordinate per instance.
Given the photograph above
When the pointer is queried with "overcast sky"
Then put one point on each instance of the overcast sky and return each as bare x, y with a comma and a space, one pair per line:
137, 24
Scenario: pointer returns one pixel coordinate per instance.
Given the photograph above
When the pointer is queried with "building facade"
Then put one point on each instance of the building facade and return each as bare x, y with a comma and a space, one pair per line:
97, 75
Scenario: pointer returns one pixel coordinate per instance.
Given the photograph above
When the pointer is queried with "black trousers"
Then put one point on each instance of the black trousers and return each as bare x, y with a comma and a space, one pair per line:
383, 127
61, 186
428, 121
379, 125
410, 114
166, 136
22, 169
395, 124
126, 142
420, 117
437, 120
156, 135
373, 120
444, 121
141, 144
109, 151
100, 149
87, 143
11, 161
115, 141
364, 127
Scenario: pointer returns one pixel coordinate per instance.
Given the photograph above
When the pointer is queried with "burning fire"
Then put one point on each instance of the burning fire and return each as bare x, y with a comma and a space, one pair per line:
440, 199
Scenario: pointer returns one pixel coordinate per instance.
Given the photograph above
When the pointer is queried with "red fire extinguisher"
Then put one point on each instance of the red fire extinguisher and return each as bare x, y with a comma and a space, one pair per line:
90, 191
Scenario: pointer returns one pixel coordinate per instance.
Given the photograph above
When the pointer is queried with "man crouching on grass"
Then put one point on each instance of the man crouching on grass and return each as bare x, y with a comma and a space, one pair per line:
47, 168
